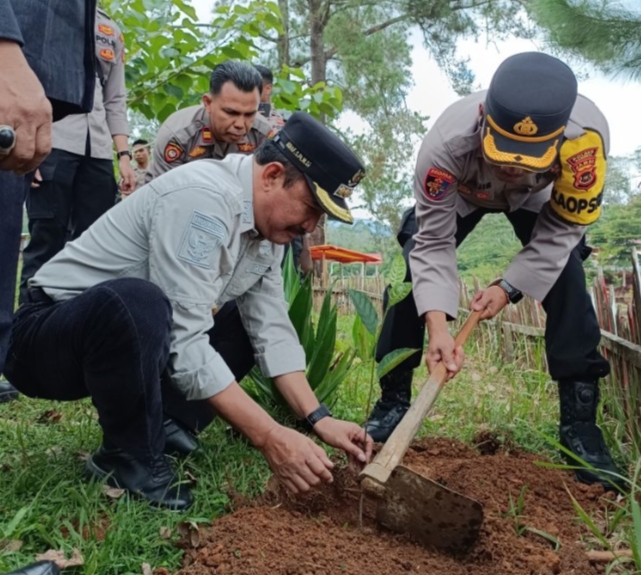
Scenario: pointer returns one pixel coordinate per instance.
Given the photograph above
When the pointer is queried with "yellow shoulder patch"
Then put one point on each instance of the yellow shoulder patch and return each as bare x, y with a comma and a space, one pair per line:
578, 191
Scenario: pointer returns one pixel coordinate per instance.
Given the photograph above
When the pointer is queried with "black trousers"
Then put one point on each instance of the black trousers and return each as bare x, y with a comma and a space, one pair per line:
12, 193
111, 343
572, 331
75, 191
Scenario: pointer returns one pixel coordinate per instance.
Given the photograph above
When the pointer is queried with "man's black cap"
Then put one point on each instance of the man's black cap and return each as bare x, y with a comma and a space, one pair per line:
332, 170
527, 109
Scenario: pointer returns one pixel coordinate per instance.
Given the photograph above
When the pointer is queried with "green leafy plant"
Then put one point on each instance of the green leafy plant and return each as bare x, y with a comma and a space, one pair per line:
368, 324
326, 368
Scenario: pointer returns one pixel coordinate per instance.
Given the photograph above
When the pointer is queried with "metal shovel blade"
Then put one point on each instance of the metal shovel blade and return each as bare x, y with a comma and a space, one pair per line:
431, 514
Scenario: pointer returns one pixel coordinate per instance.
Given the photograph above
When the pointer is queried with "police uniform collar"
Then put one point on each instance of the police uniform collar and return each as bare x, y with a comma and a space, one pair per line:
206, 134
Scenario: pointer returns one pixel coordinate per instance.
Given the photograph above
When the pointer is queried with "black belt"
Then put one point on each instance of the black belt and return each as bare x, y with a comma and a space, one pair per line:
38, 295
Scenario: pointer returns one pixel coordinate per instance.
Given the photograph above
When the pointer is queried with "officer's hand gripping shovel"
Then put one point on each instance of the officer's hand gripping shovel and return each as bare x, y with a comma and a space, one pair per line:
408, 502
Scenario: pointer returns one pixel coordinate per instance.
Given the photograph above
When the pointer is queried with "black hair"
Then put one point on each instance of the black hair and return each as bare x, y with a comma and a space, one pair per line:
269, 152
139, 141
266, 73
242, 75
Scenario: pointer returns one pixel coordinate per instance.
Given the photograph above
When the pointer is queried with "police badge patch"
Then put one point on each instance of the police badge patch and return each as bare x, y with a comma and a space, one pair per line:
201, 239
172, 152
437, 182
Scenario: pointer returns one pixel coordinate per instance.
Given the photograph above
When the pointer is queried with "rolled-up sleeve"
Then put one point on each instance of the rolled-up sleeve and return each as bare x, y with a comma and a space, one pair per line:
186, 243
264, 314
115, 93
9, 29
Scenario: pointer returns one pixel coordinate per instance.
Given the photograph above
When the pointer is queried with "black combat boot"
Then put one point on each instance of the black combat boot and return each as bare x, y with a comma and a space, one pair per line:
391, 407
579, 434
179, 441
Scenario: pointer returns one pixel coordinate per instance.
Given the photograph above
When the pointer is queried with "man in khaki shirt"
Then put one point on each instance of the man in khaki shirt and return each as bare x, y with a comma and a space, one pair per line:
227, 121
133, 297
533, 149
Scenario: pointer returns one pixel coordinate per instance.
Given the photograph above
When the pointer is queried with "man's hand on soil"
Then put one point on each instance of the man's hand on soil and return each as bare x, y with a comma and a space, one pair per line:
347, 436
297, 462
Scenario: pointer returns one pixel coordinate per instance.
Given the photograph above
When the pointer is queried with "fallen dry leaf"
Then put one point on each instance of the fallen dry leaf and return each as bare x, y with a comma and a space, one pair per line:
113, 492
191, 477
189, 530
83, 455
54, 451
50, 416
10, 545
58, 557
146, 569
165, 533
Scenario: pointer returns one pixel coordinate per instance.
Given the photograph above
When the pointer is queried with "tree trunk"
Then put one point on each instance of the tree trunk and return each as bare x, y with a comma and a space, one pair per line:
283, 40
319, 68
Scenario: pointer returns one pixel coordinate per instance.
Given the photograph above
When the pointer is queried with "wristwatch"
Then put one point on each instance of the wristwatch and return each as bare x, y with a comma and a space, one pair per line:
124, 153
319, 413
513, 295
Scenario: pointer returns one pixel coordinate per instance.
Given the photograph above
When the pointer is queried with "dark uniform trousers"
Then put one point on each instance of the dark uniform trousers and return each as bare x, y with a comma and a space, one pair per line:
12, 193
572, 332
75, 191
111, 343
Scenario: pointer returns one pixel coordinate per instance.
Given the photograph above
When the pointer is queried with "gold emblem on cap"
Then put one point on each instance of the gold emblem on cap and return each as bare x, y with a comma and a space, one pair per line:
357, 177
526, 127
344, 191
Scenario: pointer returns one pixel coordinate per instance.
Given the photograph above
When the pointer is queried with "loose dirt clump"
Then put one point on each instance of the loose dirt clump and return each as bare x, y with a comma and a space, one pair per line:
530, 526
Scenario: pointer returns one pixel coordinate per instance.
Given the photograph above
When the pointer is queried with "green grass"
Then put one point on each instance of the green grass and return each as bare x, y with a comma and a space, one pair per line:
46, 502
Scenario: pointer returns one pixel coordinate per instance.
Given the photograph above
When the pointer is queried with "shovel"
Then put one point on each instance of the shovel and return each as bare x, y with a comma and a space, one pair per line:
410, 503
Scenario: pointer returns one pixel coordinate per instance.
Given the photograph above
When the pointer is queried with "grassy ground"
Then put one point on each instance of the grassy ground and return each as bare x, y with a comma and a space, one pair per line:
45, 502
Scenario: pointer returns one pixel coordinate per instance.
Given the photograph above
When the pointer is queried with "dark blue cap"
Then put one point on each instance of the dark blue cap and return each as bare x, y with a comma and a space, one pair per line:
526, 112
331, 168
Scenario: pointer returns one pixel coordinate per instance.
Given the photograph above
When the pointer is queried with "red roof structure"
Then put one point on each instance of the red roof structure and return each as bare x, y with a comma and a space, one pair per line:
343, 255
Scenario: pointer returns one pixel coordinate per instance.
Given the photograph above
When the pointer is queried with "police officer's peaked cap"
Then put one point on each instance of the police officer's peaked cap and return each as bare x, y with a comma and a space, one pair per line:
527, 109
332, 170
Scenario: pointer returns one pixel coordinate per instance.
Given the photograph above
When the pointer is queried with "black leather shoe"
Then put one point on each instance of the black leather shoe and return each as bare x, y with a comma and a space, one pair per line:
179, 441
384, 419
40, 568
396, 392
7, 392
154, 481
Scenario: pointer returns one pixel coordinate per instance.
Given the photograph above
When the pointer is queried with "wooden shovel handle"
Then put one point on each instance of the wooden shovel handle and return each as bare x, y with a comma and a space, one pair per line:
395, 447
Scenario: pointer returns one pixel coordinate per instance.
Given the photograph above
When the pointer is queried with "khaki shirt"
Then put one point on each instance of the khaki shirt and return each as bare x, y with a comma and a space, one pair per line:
191, 232
109, 115
452, 178
140, 175
186, 136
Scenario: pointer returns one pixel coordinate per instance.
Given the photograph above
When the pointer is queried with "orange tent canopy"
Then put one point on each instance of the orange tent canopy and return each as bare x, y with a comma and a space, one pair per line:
343, 255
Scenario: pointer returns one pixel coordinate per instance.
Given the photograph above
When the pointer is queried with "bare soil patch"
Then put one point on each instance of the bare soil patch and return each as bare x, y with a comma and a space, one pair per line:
319, 533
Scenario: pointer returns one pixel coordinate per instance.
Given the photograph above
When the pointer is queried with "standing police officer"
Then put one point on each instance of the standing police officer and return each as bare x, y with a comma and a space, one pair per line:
76, 182
134, 295
37, 84
533, 149
266, 108
227, 122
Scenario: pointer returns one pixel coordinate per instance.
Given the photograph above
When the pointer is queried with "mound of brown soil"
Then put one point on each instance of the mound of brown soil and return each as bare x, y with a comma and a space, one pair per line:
319, 533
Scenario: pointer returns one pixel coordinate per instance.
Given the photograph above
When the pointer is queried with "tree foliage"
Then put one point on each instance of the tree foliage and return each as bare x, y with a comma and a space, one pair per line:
365, 46
601, 31
170, 54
